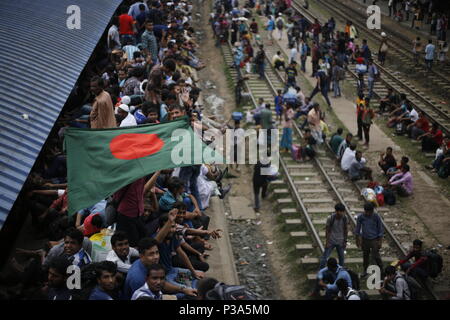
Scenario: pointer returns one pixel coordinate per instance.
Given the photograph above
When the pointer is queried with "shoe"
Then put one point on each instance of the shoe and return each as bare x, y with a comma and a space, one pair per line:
224, 191
224, 172
429, 167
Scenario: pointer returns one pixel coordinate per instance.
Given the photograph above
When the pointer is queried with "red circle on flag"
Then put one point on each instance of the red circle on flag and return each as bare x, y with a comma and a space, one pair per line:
129, 146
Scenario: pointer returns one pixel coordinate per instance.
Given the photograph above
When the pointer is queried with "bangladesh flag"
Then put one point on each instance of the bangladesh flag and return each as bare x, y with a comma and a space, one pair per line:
101, 161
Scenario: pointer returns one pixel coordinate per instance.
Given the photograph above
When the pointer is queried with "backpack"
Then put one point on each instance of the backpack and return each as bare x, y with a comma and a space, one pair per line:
341, 73
414, 287
222, 291
444, 171
280, 24
259, 57
434, 263
355, 279
389, 197
362, 294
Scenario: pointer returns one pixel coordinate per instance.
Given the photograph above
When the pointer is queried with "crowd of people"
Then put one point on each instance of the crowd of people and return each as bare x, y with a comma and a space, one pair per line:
331, 52
144, 73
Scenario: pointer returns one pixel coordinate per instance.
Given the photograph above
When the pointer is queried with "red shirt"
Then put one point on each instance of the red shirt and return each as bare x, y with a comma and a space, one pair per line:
132, 203
422, 123
438, 137
126, 24
61, 203
90, 229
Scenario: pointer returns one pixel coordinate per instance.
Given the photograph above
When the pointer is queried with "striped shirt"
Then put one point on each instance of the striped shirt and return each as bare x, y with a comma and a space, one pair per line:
129, 50
144, 291
81, 258
149, 42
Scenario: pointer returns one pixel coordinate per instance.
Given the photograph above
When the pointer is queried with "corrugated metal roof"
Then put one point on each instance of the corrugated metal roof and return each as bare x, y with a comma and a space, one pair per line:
40, 63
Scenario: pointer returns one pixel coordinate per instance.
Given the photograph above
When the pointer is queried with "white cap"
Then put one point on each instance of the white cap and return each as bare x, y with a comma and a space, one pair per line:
383, 34
126, 100
124, 107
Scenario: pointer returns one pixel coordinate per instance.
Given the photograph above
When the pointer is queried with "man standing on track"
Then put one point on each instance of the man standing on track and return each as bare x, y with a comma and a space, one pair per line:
321, 86
429, 54
336, 235
369, 233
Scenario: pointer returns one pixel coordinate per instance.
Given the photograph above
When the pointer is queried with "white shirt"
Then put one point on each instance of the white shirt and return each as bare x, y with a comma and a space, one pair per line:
293, 54
347, 159
414, 115
122, 266
129, 120
113, 33
134, 9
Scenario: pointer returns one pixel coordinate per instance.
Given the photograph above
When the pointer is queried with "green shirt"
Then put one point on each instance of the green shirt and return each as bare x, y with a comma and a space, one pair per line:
266, 118
335, 142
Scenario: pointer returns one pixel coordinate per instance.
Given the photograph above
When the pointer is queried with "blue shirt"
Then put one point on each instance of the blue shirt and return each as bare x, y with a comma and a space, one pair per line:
99, 294
278, 101
369, 227
429, 51
167, 249
341, 273
96, 208
166, 201
144, 291
136, 276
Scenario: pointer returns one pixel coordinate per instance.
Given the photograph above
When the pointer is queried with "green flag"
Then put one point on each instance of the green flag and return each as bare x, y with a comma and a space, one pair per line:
101, 161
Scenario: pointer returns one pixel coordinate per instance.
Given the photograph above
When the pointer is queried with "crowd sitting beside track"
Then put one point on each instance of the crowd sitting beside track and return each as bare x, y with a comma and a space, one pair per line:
331, 52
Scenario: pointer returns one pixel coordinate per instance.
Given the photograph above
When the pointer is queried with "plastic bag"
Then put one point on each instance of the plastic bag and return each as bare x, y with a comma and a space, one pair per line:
369, 195
101, 245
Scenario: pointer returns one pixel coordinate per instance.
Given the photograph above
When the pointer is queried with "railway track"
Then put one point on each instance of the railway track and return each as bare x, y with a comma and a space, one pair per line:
401, 45
390, 78
306, 195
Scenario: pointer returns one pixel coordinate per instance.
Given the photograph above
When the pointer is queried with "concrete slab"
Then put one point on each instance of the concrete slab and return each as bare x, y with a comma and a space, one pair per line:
241, 208
221, 259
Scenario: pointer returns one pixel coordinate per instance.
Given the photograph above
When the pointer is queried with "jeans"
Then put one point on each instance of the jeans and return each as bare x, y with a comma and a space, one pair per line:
174, 274
189, 176
327, 253
371, 248
125, 37
290, 83
371, 82
303, 62
316, 38
324, 91
328, 277
261, 70
337, 88
256, 189
429, 64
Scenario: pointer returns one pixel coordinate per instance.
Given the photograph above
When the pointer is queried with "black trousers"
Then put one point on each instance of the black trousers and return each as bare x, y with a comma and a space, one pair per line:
360, 127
